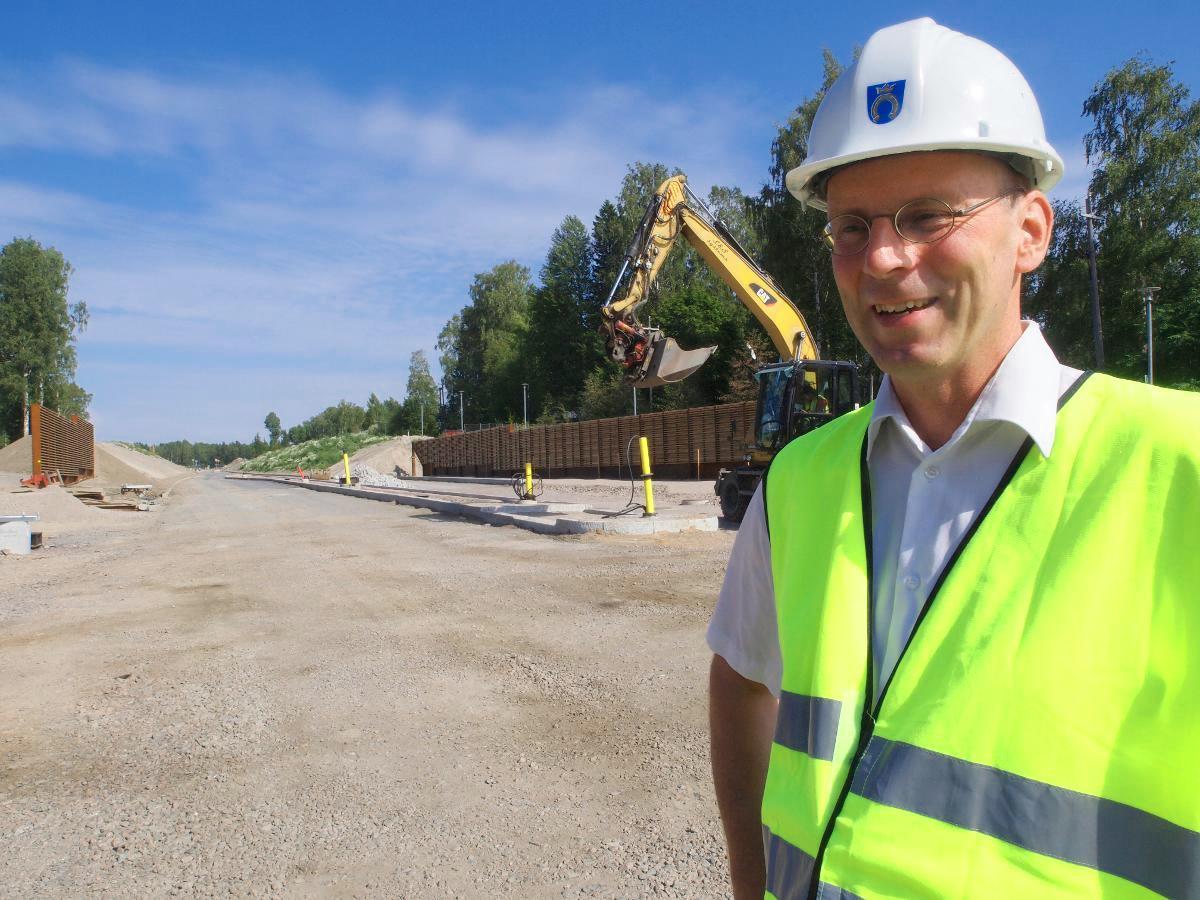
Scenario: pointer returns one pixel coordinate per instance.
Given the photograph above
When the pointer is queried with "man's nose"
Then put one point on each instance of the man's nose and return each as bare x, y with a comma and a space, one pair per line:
886, 250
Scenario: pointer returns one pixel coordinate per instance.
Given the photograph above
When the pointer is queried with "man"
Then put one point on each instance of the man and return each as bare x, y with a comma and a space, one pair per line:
955, 650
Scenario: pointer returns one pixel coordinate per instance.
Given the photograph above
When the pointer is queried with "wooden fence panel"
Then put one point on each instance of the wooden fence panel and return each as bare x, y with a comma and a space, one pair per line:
719, 433
61, 445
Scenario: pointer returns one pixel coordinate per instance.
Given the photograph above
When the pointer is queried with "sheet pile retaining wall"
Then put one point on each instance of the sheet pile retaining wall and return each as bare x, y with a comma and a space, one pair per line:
62, 445
683, 443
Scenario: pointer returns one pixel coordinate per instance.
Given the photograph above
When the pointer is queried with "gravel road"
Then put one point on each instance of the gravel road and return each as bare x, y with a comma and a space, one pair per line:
264, 691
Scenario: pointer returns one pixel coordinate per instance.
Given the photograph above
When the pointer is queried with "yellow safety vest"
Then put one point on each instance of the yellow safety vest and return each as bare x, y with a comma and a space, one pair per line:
1040, 735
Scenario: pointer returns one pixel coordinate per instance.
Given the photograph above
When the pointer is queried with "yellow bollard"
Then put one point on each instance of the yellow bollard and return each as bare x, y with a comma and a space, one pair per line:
528, 481
644, 447
346, 463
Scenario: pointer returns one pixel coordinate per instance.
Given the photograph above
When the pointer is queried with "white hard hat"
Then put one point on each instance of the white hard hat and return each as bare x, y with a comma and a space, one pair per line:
920, 86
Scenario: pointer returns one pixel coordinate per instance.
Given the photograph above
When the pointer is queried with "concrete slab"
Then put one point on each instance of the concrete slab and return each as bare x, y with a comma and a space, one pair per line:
542, 518
16, 538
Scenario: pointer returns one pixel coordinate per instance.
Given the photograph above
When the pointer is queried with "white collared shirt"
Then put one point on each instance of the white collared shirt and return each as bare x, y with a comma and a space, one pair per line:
922, 501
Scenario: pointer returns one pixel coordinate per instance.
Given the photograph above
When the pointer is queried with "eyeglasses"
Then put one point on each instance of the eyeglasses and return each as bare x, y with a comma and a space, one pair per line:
923, 221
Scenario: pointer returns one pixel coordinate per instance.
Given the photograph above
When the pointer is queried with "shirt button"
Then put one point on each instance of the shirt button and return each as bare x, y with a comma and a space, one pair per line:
911, 582
932, 472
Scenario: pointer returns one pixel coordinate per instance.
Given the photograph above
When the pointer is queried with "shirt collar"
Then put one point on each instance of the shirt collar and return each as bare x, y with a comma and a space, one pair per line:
1024, 392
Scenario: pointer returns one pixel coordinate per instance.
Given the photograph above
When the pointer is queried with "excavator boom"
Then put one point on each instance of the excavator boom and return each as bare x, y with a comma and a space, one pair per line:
651, 358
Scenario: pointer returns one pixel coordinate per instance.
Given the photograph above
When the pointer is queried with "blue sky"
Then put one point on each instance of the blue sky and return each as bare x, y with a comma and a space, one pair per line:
270, 206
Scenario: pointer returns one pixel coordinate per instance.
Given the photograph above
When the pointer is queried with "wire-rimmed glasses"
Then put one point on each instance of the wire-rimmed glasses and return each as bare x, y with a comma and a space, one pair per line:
922, 221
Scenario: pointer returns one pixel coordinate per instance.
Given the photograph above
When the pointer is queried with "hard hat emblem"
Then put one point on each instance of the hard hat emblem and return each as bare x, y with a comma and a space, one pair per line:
884, 101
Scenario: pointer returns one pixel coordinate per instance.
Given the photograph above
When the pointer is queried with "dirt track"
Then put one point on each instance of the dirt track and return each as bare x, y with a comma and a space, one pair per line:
259, 690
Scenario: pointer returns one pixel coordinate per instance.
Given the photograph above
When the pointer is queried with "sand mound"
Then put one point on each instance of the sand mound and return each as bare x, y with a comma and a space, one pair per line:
235, 465
18, 457
57, 508
384, 458
154, 466
117, 465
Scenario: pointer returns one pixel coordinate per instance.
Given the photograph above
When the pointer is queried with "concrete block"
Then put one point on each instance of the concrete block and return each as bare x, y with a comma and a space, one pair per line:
16, 537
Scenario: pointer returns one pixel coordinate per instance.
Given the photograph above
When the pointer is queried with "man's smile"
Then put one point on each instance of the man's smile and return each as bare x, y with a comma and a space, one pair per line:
901, 307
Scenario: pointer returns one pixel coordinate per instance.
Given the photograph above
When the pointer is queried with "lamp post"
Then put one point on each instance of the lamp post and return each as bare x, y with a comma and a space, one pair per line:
422, 417
461, 419
525, 402
1148, 293
1097, 335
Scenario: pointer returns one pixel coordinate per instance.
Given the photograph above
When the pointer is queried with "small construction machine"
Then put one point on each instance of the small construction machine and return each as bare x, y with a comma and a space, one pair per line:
796, 394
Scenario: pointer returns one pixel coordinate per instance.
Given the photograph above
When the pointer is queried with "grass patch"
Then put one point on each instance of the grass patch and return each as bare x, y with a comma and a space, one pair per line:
140, 448
321, 453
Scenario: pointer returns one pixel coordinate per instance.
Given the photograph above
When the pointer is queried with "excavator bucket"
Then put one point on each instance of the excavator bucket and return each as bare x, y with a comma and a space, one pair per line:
668, 362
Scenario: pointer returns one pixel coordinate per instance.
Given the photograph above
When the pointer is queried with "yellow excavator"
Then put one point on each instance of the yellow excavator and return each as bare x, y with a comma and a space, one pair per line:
796, 394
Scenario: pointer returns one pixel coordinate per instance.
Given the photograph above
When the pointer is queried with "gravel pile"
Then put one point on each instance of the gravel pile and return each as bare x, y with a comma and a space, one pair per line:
368, 477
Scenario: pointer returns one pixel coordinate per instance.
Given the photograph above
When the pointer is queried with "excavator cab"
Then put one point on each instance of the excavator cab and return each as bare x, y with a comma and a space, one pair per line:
796, 397
793, 399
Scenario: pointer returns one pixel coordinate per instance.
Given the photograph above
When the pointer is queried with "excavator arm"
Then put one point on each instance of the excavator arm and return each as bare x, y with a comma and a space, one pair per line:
649, 357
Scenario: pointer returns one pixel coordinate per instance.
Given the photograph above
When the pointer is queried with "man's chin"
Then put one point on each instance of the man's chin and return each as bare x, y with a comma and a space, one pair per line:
911, 359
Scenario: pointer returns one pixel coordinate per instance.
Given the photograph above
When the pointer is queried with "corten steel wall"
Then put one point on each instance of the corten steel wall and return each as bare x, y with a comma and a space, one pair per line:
61, 445
684, 443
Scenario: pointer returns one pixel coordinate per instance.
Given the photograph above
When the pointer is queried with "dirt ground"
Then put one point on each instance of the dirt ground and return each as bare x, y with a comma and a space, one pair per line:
257, 690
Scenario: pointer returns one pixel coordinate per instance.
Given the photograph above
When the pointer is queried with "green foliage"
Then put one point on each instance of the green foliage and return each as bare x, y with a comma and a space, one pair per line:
793, 251
1058, 295
605, 394
38, 328
186, 453
321, 453
482, 345
563, 343
701, 315
275, 427
419, 412
144, 449
609, 243
344, 418
1145, 189
385, 416
737, 212
1145, 144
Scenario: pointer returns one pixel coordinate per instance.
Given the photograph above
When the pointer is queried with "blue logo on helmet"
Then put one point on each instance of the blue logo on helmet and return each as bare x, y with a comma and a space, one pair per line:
884, 101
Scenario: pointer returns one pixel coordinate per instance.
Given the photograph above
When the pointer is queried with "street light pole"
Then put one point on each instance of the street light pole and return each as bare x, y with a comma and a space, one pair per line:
1097, 335
422, 417
461, 418
525, 402
1148, 293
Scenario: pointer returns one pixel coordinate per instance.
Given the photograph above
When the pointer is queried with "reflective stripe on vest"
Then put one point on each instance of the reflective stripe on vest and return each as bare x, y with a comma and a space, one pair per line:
808, 724
1038, 735
790, 869
1091, 831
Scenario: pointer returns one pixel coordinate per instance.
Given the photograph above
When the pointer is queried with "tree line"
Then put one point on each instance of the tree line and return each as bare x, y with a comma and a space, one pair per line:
524, 347
38, 330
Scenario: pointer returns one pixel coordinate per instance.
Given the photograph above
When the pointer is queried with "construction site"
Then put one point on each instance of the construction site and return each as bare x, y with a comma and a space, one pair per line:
387, 404
246, 687
470, 665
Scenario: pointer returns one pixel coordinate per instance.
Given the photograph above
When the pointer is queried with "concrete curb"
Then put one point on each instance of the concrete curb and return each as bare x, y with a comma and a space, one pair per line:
540, 518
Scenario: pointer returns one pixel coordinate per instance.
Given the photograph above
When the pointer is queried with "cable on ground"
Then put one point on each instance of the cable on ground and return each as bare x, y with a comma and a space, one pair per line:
517, 482
630, 506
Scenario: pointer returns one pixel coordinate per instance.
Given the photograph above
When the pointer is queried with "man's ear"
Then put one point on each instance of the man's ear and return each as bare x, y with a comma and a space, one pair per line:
1036, 224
